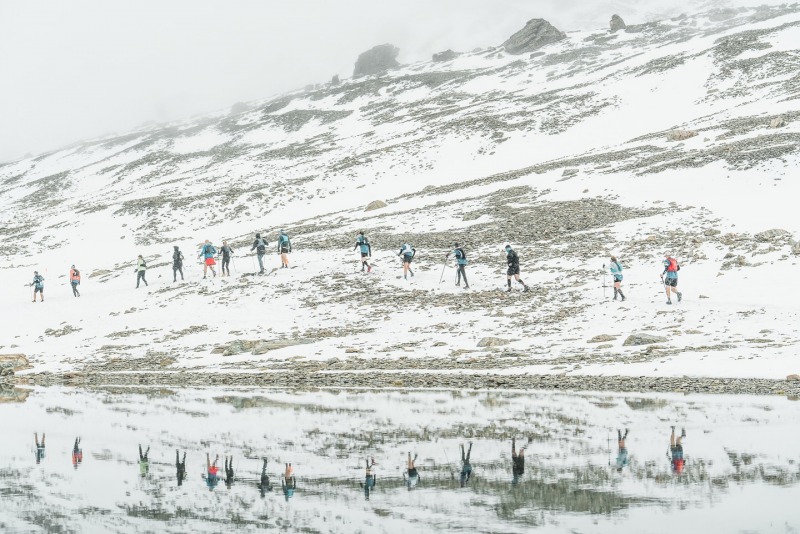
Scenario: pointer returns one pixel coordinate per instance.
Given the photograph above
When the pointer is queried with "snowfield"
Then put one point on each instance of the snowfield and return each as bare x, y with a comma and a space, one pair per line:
565, 155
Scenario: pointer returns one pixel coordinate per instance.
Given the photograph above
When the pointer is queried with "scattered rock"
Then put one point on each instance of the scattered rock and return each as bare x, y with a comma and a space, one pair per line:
493, 342
62, 331
777, 122
617, 23
447, 55
375, 205
235, 347
680, 135
536, 34
643, 339
602, 338
771, 235
376, 60
795, 247
14, 362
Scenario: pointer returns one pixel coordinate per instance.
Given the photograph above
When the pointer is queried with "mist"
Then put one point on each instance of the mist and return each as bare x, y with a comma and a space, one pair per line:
87, 68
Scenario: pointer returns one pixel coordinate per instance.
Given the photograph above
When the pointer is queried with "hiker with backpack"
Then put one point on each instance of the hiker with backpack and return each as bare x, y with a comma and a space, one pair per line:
670, 277
141, 268
407, 252
74, 281
38, 286
616, 272
226, 252
513, 269
517, 461
207, 252
461, 264
144, 461
284, 249
177, 263
362, 243
260, 246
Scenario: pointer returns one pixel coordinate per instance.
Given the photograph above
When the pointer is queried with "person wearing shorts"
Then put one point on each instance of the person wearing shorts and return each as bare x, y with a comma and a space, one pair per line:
622, 450
407, 252
675, 454
38, 286
616, 272
411, 474
512, 258
284, 249
670, 277
207, 252
517, 461
362, 243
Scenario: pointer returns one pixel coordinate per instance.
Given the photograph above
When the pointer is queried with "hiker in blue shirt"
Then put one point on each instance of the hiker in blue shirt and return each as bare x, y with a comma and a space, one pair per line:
284, 249
370, 479
622, 450
362, 243
38, 286
616, 272
288, 482
461, 263
407, 252
466, 467
207, 252
670, 277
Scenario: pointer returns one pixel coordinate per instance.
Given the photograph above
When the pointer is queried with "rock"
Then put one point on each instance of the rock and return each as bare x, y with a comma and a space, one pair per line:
335, 80
14, 362
237, 347
536, 34
238, 107
617, 23
796, 247
266, 346
376, 60
793, 378
569, 173
602, 338
447, 55
493, 342
771, 235
643, 339
777, 122
375, 205
680, 135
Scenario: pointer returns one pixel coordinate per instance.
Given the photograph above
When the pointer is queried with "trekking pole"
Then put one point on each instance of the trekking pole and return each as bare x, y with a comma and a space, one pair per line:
604, 281
444, 266
608, 433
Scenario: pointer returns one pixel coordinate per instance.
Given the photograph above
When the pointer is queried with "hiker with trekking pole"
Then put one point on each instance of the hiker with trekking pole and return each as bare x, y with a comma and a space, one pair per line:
616, 271
670, 277
461, 264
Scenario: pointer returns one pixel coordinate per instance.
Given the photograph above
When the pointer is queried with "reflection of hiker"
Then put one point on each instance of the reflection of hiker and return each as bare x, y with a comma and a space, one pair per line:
369, 478
411, 475
675, 453
229, 471
260, 246
75, 281
141, 269
466, 467
670, 277
284, 249
144, 462
177, 263
38, 286
288, 482
362, 243
616, 272
622, 450
180, 467
461, 263
407, 252
517, 461
227, 252
39, 447
212, 472
263, 484
77, 453
207, 252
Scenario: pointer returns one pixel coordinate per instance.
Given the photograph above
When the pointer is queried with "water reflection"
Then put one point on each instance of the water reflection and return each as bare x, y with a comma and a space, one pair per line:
742, 452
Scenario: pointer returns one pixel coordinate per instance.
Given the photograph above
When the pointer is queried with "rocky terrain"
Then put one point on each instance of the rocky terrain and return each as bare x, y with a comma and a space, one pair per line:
676, 136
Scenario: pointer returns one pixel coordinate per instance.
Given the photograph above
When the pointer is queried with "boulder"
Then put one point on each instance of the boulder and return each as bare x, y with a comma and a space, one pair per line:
447, 55
375, 205
265, 346
771, 235
793, 378
680, 135
493, 342
237, 347
602, 338
643, 339
617, 23
13, 362
376, 60
536, 34
777, 122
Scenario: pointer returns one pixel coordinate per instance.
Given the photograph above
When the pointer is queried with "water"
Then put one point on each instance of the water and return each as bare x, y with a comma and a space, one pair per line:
741, 469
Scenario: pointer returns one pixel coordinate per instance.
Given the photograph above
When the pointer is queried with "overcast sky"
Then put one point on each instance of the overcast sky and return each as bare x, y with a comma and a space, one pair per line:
77, 69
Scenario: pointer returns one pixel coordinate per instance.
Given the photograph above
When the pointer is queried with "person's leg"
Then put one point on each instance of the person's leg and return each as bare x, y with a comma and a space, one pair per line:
463, 458
464, 274
513, 447
469, 451
174, 273
208, 461
619, 290
261, 263
458, 275
508, 282
141, 456
672, 438
36, 439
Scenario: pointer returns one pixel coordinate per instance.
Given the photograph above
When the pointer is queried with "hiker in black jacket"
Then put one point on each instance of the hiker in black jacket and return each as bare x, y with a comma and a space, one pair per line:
177, 263
513, 268
260, 246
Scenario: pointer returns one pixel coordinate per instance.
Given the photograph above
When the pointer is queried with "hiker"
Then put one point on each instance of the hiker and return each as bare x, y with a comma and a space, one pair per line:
622, 450
517, 461
228, 471
180, 467
38, 286
461, 263
263, 484
212, 472
675, 453
284, 249
144, 462
407, 252
513, 269
177, 263
288, 482
670, 277
207, 252
411, 475
260, 246
362, 243
466, 467
77, 453
616, 272
227, 252
141, 268
75, 281
369, 478
39, 447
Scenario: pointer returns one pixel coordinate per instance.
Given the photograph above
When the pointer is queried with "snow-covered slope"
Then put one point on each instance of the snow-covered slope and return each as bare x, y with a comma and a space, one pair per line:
564, 154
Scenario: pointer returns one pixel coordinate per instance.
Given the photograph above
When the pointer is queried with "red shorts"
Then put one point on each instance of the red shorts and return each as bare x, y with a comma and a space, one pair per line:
210, 261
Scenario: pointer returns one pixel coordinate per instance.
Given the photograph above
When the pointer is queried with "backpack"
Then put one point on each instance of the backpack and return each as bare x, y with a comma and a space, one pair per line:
463, 254
673, 265
284, 239
76, 273
262, 246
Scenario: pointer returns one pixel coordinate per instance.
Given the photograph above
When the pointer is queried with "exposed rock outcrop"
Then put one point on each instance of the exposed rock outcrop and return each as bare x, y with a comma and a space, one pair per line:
376, 60
536, 34
447, 55
617, 23
643, 339
680, 135
375, 205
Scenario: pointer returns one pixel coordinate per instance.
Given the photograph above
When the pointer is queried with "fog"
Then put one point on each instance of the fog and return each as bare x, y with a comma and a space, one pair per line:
85, 68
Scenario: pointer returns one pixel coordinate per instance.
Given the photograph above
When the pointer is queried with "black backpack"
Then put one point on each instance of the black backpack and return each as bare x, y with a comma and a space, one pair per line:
262, 246
463, 254
77, 272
